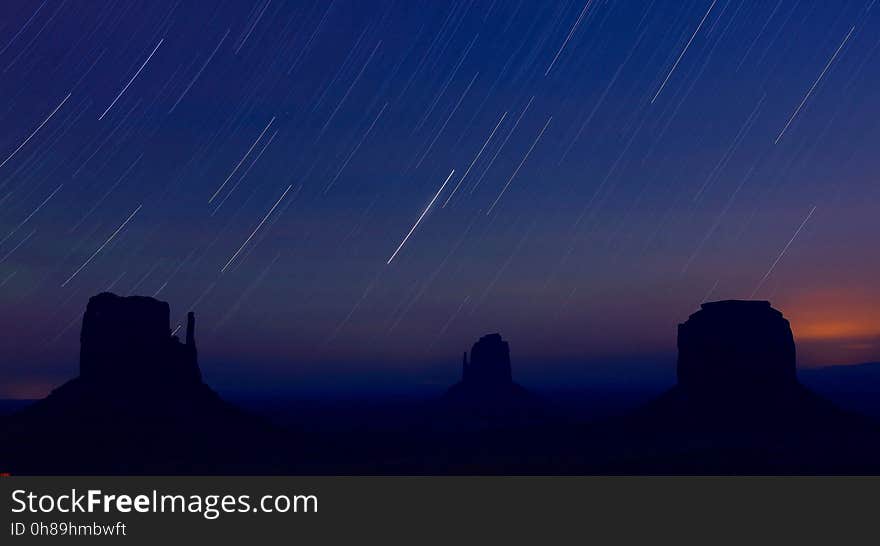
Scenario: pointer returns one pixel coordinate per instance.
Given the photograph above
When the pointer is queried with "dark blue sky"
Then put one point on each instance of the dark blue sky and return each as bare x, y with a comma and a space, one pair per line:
615, 164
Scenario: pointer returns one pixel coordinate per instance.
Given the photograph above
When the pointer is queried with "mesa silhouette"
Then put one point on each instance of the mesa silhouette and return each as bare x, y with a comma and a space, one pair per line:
738, 406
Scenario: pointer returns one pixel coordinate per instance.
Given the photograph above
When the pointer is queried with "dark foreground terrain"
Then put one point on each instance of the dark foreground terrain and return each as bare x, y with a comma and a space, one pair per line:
139, 406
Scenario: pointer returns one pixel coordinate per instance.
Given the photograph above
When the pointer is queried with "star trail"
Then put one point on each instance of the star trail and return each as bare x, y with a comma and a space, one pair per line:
400, 178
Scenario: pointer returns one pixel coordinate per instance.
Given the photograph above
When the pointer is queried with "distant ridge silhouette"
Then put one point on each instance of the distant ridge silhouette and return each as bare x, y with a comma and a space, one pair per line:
138, 406
854, 387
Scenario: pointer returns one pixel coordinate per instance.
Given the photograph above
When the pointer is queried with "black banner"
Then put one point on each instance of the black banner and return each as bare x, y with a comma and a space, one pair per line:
415, 510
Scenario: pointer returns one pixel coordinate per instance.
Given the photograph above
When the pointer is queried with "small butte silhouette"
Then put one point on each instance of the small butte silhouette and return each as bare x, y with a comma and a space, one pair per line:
139, 406
487, 395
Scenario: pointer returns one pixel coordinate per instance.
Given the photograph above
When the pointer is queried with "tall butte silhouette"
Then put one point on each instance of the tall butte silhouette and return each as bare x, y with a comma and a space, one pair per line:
138, 406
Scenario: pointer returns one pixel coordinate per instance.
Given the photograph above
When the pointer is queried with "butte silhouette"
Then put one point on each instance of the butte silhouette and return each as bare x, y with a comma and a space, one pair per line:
738, 406
138, 406
487, 396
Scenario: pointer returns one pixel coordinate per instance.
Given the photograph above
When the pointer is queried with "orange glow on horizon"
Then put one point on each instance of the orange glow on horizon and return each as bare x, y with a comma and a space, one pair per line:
27, 390
836, 330
840, 326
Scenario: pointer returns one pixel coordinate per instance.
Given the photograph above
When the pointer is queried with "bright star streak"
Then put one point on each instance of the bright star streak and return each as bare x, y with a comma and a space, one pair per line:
100, 248
570, 34
131, 80
683, 51
781, 254
251, 149
518, 167
20, 146
424, 212
815, 83
460, 180
256, 229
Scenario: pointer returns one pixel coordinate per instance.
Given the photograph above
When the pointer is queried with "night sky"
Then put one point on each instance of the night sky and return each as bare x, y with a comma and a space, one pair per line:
349, 193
